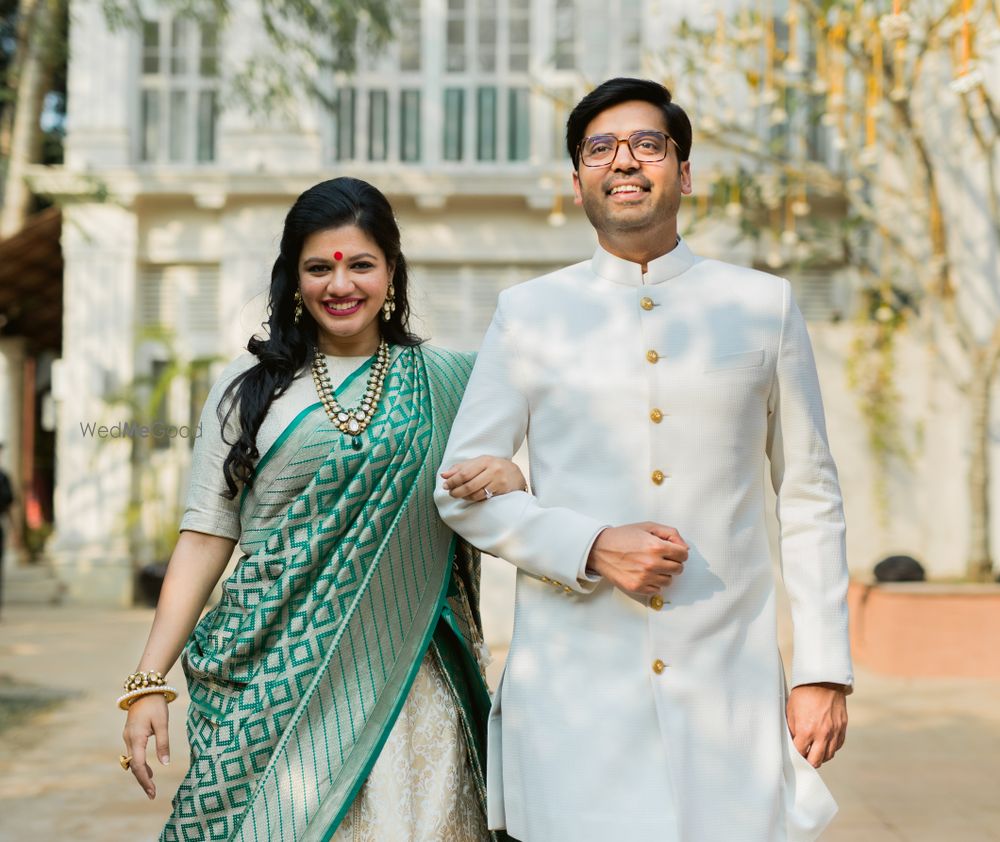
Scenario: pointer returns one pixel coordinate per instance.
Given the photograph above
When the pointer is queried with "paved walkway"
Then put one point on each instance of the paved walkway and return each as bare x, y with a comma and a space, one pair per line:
920, 764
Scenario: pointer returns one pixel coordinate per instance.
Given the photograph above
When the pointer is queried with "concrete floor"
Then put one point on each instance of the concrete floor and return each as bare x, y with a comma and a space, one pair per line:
920, 765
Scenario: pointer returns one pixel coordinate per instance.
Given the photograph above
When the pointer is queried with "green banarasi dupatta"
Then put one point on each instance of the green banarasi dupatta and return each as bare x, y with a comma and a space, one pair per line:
348, 577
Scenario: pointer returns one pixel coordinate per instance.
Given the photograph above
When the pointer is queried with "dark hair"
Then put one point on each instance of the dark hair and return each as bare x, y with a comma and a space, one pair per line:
287, 346
616, 91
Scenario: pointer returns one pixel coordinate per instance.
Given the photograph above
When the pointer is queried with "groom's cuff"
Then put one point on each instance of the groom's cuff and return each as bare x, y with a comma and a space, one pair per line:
584, 576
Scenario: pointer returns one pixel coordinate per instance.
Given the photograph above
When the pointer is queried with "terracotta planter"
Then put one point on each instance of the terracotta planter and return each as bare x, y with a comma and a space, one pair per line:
923, 629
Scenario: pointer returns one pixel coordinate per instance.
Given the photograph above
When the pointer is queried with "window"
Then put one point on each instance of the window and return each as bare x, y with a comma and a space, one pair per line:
177, 307
519, 49
815, 294
563, 100
453, 304
454, 118
566, 35
519, 125
150, 150
180, 302
409, 36
199, 385
486, 40
345, 114
378, 125
178, 91
471, 100
455, 52
409, 126
160, 375
486, 124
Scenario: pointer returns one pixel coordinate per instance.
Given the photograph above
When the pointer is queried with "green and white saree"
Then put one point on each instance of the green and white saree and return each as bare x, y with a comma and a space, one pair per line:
348, 580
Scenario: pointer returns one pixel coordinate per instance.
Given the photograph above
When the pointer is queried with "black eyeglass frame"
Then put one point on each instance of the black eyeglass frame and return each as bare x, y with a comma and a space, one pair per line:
628, 141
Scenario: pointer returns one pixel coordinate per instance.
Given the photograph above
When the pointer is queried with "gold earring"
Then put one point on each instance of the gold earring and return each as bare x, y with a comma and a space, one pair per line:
298, 307
389, 305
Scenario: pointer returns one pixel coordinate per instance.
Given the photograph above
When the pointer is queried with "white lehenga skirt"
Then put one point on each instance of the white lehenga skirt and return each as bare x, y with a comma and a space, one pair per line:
421, 788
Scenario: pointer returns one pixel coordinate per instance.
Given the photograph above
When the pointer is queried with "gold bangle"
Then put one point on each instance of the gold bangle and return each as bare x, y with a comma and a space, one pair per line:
140, 679
125, 701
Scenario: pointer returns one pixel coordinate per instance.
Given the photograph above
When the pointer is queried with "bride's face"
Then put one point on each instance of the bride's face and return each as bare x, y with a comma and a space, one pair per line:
344, 279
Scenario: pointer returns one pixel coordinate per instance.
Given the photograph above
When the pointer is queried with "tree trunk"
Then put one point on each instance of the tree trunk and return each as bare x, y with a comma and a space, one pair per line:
979, 565
26, 133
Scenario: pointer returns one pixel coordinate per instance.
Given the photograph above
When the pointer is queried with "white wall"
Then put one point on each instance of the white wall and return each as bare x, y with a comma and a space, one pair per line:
458, 228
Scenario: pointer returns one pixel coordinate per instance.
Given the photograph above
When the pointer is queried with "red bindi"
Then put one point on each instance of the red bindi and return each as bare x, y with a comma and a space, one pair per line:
338, 255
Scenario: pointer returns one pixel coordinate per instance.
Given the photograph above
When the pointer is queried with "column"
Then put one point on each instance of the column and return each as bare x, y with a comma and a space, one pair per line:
90, 548
12, 357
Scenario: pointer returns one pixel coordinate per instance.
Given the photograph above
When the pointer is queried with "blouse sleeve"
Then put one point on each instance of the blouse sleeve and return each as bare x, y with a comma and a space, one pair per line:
207, 509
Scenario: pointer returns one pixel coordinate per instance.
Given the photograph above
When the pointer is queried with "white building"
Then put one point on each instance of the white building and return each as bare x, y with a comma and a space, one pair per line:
173, 198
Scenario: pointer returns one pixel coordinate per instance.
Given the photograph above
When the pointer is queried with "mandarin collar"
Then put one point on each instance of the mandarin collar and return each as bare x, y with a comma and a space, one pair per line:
675, 262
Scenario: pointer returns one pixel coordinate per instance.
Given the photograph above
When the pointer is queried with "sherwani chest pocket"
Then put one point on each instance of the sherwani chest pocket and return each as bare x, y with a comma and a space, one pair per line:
739, 359
731, 384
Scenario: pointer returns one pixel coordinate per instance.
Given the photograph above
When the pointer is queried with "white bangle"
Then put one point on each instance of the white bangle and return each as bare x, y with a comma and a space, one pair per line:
125, 701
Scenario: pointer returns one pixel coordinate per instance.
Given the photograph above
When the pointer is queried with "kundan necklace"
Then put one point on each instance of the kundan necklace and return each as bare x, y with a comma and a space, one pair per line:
351, 422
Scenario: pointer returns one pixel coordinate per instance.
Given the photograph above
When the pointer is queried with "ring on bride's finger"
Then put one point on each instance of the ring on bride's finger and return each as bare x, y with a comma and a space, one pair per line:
487, 492
124, 760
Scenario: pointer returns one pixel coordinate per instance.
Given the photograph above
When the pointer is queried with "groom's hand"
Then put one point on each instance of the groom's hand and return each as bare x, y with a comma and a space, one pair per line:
817, 719
638, 558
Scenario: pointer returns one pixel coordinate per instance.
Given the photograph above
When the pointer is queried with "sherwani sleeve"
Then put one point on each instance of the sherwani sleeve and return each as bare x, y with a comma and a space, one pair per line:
810, 510
545, 541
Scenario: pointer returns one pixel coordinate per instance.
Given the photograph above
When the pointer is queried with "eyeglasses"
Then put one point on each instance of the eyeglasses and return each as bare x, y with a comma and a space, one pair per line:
599, 150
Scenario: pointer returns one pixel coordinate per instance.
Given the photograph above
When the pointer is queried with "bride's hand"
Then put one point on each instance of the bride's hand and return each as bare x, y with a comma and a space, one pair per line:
147, 717
483, 477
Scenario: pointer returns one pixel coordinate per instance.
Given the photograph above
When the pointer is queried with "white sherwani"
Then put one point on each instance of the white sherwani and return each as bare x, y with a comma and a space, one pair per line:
655, 397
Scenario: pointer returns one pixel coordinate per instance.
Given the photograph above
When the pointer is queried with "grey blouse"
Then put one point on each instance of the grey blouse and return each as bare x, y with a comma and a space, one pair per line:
207, 510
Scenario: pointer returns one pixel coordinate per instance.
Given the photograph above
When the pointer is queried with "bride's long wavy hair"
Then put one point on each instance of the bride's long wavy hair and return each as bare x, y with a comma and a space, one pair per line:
287, 345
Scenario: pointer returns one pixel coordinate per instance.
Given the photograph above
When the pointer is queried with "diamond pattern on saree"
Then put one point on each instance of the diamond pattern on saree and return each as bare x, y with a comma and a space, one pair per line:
310, 624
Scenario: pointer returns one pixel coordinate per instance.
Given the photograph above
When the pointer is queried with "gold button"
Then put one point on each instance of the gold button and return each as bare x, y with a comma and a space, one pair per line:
646, 304
656, 603
568, 589
658, 666
652, 356
546, 579
656, 416
658, 477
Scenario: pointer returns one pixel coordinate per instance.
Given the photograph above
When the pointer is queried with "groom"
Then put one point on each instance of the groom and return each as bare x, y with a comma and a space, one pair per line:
643, 696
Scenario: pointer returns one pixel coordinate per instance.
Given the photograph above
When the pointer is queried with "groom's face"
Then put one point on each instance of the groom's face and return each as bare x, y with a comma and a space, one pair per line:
630, 196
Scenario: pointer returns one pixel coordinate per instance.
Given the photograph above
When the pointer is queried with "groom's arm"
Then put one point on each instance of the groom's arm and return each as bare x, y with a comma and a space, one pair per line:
810, 511
547, 542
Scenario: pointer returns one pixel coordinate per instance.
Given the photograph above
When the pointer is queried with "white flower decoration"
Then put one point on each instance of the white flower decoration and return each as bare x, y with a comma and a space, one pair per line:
895, 27
868, 156
967, 82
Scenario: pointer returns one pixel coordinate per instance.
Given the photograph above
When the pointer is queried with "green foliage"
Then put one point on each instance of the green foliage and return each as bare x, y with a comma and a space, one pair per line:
871, 373
828, 110
142, 400
54, 38
35, 538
